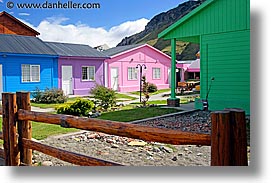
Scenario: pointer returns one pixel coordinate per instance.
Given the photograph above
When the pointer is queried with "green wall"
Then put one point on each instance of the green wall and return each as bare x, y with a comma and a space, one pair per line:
226, 57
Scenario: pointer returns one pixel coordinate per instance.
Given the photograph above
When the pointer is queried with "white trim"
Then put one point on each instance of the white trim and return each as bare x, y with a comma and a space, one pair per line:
88, 76
30, 74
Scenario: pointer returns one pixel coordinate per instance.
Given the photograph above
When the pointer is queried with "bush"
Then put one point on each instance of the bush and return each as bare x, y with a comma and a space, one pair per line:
152, 88
81, 107
106, 97
49, 96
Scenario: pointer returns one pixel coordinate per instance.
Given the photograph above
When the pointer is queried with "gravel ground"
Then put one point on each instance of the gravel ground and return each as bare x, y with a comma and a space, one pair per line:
133, 152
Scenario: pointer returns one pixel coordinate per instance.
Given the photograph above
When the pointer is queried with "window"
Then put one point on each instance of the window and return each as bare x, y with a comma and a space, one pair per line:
156, 73
30, 73
132, 73
88, 73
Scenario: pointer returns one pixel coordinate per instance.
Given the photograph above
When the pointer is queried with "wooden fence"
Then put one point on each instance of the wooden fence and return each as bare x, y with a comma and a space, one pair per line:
228, 138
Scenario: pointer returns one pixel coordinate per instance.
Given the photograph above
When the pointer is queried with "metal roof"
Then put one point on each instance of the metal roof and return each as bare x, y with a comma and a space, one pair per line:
18, 44
77, 50
120, 49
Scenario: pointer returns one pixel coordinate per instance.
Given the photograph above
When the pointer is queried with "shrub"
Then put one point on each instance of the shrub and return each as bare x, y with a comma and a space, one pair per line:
81, 107
106, 97
152, 88
49, 96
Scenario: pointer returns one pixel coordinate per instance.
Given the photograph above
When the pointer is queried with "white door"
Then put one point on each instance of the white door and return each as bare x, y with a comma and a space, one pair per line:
67, 78
1, 81
114, 78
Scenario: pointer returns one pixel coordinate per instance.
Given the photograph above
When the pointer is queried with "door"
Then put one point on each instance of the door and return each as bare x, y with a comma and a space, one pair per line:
114, 78
67, 80
1, 81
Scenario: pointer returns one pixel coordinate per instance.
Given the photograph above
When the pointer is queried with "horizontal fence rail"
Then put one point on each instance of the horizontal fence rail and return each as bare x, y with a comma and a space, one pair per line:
146, 133
227, 135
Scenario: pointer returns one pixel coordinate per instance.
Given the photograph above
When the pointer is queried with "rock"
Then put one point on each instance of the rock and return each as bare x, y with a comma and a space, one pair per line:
186, 149
156, 149
92, 136
111, 141
148, 153
166, 149
180, 154
199, 154
129, 150
115, 146
190, 152
175, 158
47, 163
77, 139
137, 143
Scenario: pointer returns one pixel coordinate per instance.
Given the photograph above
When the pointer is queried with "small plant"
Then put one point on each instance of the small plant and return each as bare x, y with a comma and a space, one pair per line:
145, 92
49, 96
152, 88
81, 107
105, 97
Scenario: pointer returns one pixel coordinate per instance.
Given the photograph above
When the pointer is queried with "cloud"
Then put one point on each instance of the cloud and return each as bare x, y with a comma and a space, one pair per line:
54, 29
1, 1
23, 14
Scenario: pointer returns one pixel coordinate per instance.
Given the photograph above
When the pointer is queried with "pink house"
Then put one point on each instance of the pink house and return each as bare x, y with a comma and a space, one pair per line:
125, 63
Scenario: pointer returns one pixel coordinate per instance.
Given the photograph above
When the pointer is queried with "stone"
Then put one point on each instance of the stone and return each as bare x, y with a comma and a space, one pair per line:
148, 153
186, 149
137, 143
77, 139
114, 146
92, 136
166, 149
129, 150
156, 149
111, 141
175, 158
47, 163
199, 154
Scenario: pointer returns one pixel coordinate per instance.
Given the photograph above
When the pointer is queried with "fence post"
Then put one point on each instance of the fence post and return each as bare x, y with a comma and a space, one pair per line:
238, 137
228, 138
5, 128
220, 138
24, 127
11, 151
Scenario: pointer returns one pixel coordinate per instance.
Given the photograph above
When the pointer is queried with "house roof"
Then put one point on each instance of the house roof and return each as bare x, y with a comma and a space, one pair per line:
17, 44
120, 49
185, 18
3, 13
76, 50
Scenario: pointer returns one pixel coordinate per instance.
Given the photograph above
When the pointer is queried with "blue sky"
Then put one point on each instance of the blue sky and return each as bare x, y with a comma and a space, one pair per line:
114, 20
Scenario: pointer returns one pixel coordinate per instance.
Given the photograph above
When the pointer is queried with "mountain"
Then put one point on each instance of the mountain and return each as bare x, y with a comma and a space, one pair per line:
185, 50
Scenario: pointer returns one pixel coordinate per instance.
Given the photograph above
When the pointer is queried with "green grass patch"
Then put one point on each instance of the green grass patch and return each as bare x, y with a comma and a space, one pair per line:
162, 102
154, 93
124, 96
55, 106
136, 114
41, 131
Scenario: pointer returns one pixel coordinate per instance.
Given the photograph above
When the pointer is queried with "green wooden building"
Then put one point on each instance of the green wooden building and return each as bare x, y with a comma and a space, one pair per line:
222, 28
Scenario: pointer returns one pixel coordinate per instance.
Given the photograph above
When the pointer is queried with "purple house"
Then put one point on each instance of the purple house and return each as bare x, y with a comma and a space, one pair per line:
80, 67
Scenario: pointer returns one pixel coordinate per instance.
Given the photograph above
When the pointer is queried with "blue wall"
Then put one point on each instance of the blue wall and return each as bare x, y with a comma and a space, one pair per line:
12, 74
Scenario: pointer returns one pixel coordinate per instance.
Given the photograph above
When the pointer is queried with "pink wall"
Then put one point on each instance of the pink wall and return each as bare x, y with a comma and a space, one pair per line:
145, 54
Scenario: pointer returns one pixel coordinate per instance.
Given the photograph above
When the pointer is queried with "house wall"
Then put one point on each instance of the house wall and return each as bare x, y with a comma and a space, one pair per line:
144, 55
81, 87
12, 79
9, 26
219, 16
226, 57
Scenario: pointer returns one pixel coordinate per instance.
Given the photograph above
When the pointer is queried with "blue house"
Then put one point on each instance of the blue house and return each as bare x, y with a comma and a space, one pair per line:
26, 62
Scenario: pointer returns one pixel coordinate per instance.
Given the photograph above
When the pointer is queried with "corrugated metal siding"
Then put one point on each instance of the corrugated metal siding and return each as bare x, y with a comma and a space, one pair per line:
226, 57
219, 16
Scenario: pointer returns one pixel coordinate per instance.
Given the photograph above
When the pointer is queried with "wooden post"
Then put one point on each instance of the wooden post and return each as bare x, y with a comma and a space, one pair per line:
5, 128
220, 138
14, 152
238, 137
24, 127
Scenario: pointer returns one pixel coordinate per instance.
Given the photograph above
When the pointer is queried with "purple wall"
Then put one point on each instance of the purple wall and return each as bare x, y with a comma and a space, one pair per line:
81, 87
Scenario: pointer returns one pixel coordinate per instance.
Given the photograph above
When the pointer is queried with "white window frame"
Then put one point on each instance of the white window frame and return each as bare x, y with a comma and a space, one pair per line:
88, 73
156, 75
30, 74
132, 73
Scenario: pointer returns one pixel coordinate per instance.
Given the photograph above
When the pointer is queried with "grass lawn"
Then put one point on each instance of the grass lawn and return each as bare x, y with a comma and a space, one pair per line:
136, 114
41, 130
163, 102
124, 96
154, 93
